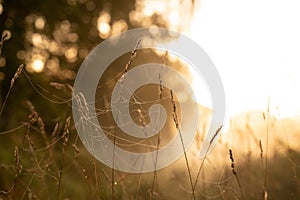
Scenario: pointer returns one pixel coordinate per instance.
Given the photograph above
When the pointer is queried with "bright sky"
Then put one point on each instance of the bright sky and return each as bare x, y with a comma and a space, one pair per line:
256, 47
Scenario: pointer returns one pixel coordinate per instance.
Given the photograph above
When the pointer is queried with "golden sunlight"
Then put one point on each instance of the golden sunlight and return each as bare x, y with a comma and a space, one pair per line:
104, 29
37, 65
71, 54
40, 23
255, 50
255, 53
103, 25
90, 113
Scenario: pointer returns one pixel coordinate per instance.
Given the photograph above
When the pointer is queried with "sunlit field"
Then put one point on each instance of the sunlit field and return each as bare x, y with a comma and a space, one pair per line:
255, 47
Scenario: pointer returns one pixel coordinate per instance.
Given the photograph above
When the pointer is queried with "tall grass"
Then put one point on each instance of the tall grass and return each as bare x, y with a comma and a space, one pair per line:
42, 159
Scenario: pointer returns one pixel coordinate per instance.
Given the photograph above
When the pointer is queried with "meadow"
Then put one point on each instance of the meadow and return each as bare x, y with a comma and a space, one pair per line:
42, 157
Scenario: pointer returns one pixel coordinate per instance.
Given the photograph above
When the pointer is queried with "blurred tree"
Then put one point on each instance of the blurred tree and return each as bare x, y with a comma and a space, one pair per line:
52, 37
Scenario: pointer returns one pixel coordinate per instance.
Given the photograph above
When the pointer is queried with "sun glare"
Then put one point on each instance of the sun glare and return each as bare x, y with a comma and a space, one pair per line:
173, 18
255, 49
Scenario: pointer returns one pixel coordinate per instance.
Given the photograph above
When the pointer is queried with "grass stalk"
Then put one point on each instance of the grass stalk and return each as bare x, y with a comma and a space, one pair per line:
265, 194
203, 160
12, 82
175, 119
235, 173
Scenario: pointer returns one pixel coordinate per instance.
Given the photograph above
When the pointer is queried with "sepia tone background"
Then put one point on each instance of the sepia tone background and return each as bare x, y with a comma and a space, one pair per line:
41, 156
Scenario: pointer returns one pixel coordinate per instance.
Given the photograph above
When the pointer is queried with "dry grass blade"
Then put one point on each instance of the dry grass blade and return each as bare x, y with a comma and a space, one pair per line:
158, 139
175, 119
12, 82
165, 59
66, 132
13, 129
235, 173
202, 163
215, 135
65, 137
16, 76
59, 183
67, 88
113, 170
265, 195
5, 36
126, 69
132, 56
261, 149
17, 161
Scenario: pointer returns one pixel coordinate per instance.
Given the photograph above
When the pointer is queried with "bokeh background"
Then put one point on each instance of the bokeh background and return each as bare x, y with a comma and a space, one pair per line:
255, 47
